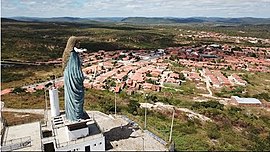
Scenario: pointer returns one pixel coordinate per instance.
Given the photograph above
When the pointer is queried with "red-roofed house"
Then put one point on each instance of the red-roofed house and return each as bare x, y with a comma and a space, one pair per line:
171, 80
214, 81
40, 87
155, 73
174, 75
234, 78
194, 76
30, 89
221, 78
129, 82
6, 91
123, 84
138, 77
117, 89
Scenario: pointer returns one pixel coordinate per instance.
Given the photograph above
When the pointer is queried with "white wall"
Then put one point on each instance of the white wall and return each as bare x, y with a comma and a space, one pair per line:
75, 134
94, 145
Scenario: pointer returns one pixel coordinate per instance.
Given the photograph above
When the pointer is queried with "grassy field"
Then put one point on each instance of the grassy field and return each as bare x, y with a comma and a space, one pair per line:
12, 77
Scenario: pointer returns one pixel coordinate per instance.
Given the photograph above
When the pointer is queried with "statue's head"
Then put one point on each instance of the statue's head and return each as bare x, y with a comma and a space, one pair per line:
77, 44
72, 42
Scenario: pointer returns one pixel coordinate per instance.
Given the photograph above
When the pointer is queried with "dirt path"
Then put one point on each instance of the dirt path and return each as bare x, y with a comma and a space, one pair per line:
162, 106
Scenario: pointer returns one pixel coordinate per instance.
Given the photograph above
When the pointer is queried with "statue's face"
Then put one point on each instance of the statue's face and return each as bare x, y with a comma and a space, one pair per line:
77, 45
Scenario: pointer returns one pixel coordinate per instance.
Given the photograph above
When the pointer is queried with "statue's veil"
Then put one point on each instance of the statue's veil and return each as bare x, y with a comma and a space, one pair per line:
69, 47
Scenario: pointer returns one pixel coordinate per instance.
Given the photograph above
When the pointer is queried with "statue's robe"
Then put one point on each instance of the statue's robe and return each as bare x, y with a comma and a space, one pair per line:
74, 90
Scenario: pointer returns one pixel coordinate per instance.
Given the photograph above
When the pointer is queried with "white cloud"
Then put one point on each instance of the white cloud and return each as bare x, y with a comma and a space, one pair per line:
107, 8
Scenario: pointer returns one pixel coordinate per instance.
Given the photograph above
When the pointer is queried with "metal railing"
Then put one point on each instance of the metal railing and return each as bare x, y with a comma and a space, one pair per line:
3, 129
73, 142
18, 143
156, 137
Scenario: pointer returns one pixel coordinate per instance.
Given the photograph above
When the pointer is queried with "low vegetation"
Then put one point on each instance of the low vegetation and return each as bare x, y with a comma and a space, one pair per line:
232, 128
12, 77
17, 118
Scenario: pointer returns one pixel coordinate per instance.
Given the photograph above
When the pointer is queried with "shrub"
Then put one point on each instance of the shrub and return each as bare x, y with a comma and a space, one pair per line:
208, 104
151, 81
213, 131
263, 95
152, 98
108, 107
18, 90
188, 128
181, 76
133, 107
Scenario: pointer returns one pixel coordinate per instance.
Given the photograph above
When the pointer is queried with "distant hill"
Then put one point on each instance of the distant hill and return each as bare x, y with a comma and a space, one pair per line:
56, 19
8, 20
244, 20
147, 20
107, 19
157, 20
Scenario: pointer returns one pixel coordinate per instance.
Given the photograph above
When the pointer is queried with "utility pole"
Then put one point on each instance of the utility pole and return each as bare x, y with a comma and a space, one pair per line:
95, 71
145, 112
170, 139
143, 143
115, 104
2, 107
46, 108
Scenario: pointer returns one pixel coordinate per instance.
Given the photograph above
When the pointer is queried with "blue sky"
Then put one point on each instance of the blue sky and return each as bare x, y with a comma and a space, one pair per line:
126, 8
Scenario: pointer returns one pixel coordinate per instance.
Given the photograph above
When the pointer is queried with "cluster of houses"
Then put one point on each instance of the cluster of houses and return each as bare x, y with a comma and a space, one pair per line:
192, 75
222, 57
145, 70
145, 74
201, 35
218, 79
136, 70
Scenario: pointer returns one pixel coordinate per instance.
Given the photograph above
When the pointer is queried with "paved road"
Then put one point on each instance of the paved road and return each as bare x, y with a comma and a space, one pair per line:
43, 83
17, 63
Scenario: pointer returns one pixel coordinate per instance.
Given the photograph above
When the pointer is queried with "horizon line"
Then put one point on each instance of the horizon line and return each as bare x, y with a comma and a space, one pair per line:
134, 16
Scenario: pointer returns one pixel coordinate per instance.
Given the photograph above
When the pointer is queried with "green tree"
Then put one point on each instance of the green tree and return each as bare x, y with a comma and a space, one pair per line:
125, 78
18, 90
148, 74
181, 76
133, 107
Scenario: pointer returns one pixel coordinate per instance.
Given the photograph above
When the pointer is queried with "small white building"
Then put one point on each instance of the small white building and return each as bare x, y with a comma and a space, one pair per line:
84, 135
245, 101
